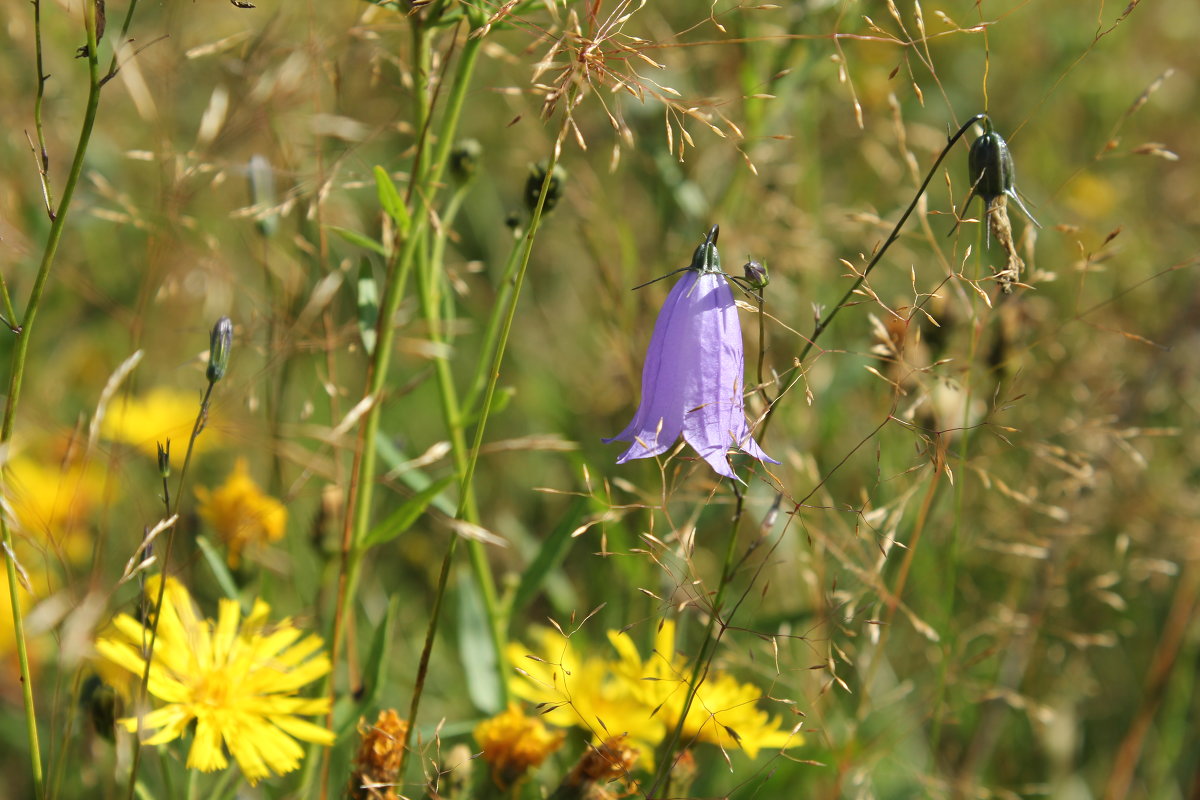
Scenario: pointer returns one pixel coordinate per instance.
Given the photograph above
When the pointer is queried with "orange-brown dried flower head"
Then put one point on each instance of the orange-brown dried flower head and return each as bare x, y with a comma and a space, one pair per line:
609, 761
514, 743
377, 764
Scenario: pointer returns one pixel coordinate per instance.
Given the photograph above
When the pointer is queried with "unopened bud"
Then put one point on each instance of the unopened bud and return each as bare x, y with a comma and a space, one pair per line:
756, 274
164, 459
220, 343
991, 166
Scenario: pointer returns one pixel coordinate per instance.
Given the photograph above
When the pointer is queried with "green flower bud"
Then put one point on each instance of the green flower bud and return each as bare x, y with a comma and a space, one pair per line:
164, 459
756, 274
991, 166
220, 343
533, 187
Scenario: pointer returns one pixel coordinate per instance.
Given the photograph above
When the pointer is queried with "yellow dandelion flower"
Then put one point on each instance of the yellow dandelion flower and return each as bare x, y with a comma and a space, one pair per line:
240, 513
236, 680
514, 743
724, 711
162, 413
586, 693
644, 698
52, 502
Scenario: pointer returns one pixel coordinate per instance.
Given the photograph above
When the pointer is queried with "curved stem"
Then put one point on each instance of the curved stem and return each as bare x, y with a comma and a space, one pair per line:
823, 323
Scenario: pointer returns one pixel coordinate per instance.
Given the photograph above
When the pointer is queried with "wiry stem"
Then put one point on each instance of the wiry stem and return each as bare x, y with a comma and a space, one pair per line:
823, 323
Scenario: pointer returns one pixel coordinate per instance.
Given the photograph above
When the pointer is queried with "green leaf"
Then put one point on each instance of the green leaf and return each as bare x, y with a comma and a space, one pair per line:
412, 477
475, 649
221, 572
359, 240
368, 306
375, 668
402, 518
549, 556
391, 201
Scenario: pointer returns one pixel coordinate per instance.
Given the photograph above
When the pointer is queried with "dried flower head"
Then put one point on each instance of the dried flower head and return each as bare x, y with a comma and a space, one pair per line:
514, 743
692, 379
377, 763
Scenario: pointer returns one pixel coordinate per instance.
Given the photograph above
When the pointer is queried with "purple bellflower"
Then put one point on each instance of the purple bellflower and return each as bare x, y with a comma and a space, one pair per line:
692, 379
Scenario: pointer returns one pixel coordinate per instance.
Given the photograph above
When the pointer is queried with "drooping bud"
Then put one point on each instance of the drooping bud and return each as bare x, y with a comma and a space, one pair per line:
533, 187
464, 160
991, 166
220, 344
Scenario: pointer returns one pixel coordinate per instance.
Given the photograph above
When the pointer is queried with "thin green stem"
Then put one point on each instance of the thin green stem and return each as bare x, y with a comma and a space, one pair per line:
431, 278
712, 637
492, 331
43, 155
148, 654
17, 376
469, 473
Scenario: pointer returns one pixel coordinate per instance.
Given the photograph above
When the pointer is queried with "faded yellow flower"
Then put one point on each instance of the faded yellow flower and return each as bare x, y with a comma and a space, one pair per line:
160, 414
240, 513
52, 501
514, 743
232, 682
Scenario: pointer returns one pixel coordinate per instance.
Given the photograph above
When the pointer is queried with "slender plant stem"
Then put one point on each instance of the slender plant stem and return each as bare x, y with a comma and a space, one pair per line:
17, 376
431, 280
712, 637
385, 337
469, 473
42, 154
492, 331
148, 655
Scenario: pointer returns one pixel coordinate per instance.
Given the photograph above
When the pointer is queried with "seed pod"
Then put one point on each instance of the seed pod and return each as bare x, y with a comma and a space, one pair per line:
991, 166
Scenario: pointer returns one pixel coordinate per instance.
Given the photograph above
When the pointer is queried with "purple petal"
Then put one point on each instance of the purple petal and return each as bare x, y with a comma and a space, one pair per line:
659, 418
715, 419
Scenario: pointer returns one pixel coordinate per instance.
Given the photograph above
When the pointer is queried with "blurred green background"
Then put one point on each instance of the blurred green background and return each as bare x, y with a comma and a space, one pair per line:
1019, 469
